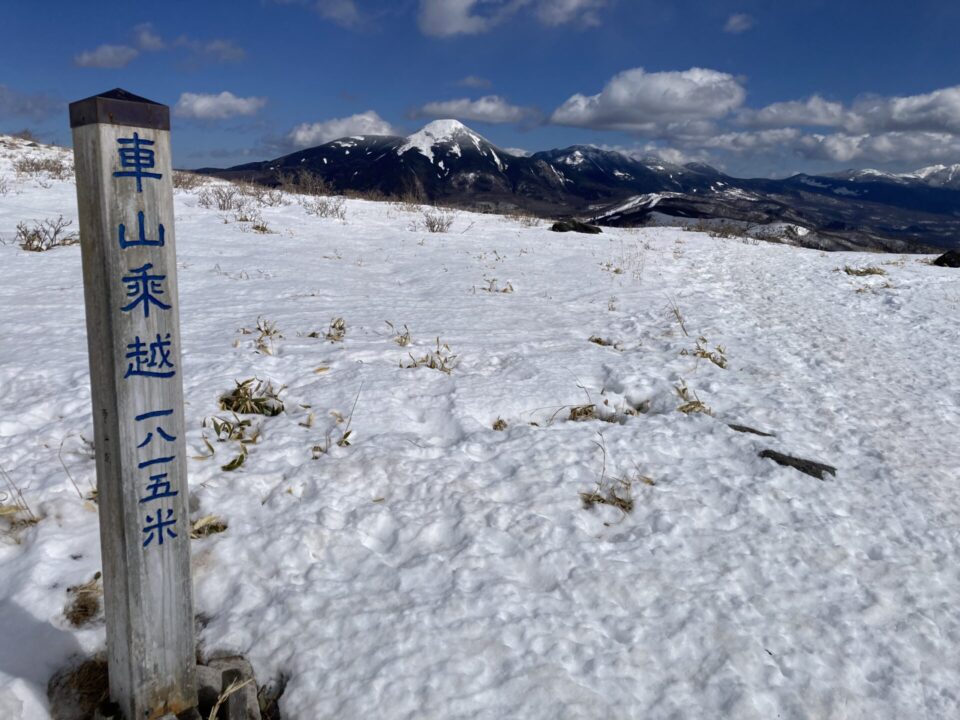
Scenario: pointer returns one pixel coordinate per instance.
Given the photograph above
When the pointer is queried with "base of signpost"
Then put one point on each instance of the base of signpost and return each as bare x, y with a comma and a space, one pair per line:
213, 680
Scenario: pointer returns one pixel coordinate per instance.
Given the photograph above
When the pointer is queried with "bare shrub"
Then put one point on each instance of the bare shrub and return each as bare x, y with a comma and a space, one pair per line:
263, 195
46, 234
304, 182
4, 186
325, 207
524, 219
49, 167
188, 181
223, 197
438, 221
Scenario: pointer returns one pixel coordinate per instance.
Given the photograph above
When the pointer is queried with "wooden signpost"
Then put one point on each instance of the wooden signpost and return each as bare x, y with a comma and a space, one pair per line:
125, 197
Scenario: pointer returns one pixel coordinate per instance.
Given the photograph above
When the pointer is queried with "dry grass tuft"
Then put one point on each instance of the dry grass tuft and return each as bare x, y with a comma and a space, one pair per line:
603, 342
690, 404
717, 356
253, 397
500, 424
861, 272
206, 526
615, 492
14, 507
400, 338
440, 359
84, 604
579, 413
75, 692
337, 330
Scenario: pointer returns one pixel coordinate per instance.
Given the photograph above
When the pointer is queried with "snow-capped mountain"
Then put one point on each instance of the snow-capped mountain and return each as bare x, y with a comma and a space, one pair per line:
937, 176
447, 162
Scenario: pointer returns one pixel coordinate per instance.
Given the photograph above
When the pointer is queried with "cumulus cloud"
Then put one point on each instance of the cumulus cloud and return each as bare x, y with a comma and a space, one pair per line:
559, 12
368, 123
667, 154
702, 112
491, 109
738, 23
199, 106
937, 111
812, 111
751, 142
638, 101
35, 106
910, 148
107, 56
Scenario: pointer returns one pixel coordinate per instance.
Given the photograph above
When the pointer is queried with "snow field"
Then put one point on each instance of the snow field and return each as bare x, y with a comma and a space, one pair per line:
437, 568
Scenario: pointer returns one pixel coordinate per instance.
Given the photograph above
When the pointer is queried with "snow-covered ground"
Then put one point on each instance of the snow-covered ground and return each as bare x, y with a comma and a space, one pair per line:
438, 568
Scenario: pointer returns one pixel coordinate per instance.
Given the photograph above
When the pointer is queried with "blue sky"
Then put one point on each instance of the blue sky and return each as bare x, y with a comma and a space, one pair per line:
757, 87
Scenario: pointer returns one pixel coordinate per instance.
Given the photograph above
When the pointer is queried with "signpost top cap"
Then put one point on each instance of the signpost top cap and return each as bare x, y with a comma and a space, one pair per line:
119, 107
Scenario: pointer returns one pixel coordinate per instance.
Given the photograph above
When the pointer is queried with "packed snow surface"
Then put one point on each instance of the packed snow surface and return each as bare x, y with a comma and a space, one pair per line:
437, 568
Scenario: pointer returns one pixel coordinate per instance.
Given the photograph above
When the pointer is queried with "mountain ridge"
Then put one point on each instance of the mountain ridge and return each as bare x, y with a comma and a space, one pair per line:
449, 163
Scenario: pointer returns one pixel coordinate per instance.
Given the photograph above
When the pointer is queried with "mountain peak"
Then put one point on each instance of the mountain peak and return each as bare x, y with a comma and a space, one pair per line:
442, 132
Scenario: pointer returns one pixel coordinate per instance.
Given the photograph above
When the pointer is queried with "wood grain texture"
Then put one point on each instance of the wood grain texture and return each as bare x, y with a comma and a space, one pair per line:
148, 595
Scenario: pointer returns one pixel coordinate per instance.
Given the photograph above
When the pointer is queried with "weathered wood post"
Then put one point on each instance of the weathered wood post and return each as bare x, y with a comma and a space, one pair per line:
125, 196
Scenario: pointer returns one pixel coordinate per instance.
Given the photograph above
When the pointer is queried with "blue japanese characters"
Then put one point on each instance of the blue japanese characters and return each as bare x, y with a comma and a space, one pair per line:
135, 154
149, 356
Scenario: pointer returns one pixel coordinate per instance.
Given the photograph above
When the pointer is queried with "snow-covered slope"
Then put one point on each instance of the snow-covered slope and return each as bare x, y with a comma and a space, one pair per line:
435, 567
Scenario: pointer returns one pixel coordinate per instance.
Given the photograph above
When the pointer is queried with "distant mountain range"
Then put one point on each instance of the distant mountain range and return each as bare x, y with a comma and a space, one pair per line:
449, 163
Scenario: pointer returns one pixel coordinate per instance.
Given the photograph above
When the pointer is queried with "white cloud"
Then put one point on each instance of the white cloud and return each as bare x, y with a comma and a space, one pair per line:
938, 111
368, 123
342, 12
666, 154
107, 56
446, 18
909, 148
218, 50
738, 23
558, 12
147, 39
474, 82
752, 142
492, 109
635, 100
201, 106
812, 111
